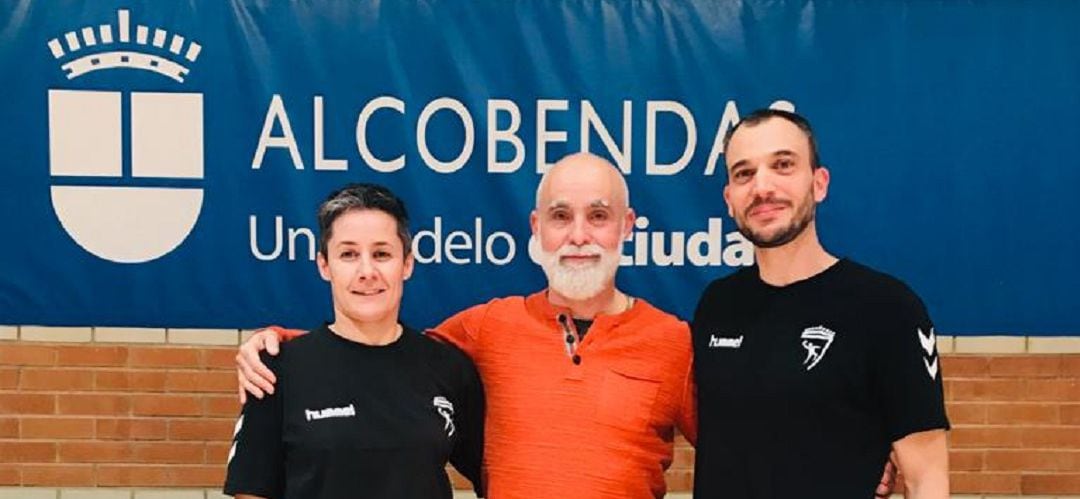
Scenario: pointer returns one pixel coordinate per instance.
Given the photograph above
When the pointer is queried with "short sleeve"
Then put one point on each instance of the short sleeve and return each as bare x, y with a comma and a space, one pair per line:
468, 453
687, 419
462, 329
256, 459
907, 368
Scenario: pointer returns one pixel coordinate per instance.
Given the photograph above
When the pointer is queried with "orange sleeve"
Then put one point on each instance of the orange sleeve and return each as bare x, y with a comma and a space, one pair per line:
687, 418
286, 334
462, 329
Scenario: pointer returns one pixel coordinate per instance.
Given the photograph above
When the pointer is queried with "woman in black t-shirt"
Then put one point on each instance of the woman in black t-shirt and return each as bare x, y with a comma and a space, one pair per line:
365, 407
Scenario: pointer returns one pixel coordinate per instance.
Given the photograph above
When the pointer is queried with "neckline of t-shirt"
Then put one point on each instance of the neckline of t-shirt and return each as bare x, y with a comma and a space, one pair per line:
826, 273
583, 322
583, 325
394, 345
539, 305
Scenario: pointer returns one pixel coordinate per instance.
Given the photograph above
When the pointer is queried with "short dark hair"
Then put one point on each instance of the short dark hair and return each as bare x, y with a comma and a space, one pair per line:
761, 115
362, 197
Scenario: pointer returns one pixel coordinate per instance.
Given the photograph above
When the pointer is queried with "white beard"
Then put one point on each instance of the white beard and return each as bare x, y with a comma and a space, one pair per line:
579, 282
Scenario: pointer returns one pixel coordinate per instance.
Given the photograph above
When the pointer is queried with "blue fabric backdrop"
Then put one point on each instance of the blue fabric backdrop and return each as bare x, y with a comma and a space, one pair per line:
147, 163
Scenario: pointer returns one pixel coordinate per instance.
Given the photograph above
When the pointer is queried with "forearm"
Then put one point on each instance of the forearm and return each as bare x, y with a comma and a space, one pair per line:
930, 485
923, 459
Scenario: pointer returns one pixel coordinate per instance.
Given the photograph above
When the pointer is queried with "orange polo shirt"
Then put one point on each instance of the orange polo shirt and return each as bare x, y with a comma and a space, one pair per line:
600, 428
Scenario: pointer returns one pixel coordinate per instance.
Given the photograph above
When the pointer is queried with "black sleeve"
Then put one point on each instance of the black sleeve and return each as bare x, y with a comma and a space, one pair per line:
701, 310
907, 367
256, 461
468, 454
704, 313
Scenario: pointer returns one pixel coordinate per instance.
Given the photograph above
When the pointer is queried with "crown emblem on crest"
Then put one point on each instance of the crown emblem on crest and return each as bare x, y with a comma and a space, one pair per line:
147, 52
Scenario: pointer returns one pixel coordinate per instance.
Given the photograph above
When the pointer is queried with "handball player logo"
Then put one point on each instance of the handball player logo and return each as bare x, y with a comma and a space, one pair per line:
140, 211
816, 341
445, 408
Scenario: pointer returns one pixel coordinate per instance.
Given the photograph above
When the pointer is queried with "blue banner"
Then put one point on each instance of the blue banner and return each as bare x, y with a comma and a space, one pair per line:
163, 160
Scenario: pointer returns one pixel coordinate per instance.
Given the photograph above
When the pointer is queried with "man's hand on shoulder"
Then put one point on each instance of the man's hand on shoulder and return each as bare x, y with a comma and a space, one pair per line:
253, 376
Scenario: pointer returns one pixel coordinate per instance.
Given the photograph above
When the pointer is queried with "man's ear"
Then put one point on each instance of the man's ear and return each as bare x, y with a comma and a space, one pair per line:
727, 201
821, 183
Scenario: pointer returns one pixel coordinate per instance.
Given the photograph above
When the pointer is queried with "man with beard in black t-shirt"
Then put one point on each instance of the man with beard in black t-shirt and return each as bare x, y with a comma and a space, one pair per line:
810, 369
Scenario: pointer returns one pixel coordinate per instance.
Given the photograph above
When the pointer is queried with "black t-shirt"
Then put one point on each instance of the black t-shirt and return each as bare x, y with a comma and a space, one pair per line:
802, 389
352, 420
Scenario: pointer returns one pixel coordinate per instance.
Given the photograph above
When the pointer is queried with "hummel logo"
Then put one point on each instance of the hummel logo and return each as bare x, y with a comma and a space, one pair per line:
715, 342
236, 431
928, 342
931, 367
331, 412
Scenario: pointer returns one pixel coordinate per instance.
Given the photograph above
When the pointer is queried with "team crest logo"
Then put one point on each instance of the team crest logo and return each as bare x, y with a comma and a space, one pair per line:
125, 211
816, 341
445, 409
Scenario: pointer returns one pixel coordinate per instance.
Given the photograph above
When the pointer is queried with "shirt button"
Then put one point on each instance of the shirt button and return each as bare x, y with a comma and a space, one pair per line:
576, 359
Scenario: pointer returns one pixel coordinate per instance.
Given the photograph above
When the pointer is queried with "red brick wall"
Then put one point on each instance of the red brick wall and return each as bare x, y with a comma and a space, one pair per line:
1016, 423
77, 415
86, 415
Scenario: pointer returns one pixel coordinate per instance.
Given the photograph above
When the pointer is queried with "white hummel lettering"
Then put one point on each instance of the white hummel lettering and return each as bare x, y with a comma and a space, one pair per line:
331, 412
723, 342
